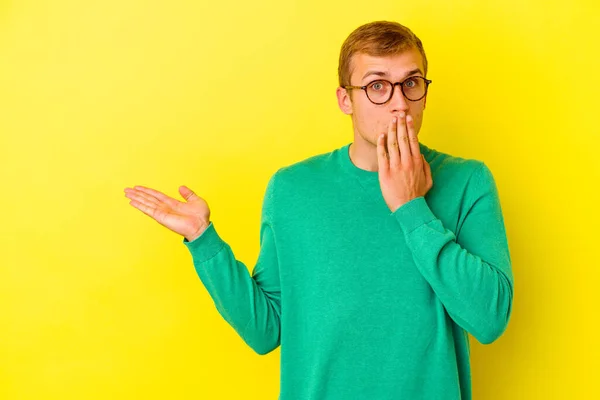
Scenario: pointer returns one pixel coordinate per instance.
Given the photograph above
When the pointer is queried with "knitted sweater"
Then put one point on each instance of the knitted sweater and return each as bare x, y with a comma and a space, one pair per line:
367, 303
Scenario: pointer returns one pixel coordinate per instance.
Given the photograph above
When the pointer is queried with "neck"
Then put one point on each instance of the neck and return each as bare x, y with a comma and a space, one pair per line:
363, 154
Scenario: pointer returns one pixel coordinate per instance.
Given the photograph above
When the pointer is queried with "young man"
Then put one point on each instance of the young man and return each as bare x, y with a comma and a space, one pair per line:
376, 259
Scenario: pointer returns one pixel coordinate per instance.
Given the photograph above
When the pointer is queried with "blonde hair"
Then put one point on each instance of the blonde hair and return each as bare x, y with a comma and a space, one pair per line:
378, 38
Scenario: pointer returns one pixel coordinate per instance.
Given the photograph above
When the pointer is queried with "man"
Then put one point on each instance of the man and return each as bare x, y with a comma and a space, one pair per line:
376, 259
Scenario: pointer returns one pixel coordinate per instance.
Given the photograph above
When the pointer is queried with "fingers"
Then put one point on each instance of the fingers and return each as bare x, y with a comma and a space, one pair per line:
382, 161
155, 193
405, 152
427, 169
143, 202
148, 210
412, 138
186, 192
392, 143
142, 199
159, 197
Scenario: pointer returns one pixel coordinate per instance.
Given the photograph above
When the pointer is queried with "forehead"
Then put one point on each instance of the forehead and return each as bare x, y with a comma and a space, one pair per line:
396, 66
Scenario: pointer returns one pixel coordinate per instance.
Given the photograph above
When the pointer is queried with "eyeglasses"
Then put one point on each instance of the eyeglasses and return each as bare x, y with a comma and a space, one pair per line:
413, 88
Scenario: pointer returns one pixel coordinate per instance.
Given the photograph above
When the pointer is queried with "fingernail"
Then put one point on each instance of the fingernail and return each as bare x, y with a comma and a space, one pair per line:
394, 119
408, 118
402, 115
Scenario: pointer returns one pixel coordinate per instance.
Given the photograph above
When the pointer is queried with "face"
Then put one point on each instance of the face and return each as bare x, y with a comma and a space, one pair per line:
370, 120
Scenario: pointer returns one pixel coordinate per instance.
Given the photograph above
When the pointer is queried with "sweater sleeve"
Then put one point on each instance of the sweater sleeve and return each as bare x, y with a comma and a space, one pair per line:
470, 272
251, 304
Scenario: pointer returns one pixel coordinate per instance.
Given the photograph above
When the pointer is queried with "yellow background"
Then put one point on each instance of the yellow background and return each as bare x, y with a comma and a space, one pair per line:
99, 301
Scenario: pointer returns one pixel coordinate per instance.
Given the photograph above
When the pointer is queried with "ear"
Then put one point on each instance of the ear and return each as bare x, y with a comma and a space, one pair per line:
344, 101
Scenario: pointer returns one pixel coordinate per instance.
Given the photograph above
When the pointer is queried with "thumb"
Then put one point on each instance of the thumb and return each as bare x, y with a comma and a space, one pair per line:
426, 168
187, 193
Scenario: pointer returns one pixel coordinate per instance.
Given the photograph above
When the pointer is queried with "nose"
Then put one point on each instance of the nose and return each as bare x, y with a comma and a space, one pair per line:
398, 102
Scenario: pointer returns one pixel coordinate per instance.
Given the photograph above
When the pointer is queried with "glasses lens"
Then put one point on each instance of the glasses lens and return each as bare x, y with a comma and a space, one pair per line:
414, 88
379, 91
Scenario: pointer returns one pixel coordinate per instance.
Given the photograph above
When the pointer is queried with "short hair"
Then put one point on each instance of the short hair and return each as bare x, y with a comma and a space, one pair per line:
378, 38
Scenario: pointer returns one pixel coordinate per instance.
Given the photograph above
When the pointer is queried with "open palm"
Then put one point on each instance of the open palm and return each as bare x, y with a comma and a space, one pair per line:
188, 218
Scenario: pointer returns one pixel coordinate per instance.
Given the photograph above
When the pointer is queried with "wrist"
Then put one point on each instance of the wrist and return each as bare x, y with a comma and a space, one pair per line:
198, 232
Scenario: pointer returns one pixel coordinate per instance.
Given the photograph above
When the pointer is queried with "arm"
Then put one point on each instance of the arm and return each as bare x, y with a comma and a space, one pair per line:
470, 272
250, 304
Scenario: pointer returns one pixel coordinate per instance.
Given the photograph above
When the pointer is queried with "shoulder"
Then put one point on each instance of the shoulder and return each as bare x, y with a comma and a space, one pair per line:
455, 168
306, 170
468, 178
288, 186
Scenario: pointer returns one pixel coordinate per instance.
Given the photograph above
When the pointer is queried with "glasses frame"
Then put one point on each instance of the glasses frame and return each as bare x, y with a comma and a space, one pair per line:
401, 83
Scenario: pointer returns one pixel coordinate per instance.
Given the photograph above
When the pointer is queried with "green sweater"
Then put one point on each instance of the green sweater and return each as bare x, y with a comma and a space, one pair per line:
367, 303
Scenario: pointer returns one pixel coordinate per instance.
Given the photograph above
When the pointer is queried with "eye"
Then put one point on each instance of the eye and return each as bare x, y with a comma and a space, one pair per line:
411, 83
377, 86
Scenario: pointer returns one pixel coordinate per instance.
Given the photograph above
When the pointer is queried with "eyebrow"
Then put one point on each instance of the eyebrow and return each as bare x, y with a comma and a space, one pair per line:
384, 74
